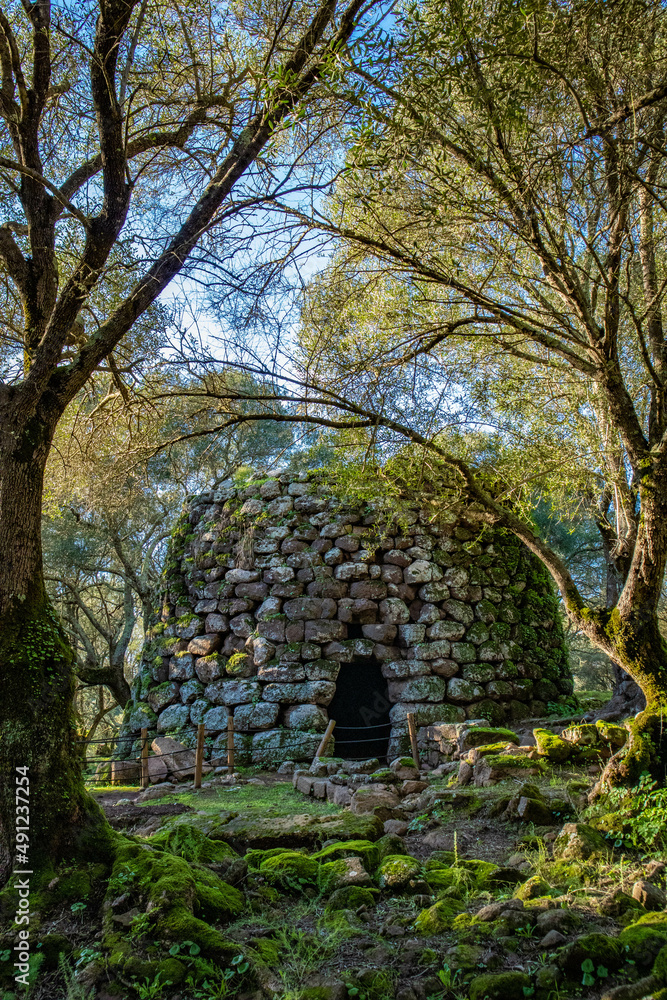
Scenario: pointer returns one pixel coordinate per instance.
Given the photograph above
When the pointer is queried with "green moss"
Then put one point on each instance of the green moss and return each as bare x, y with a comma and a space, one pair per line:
599, 948
351, 897
399, 872
170, 970
500, 986
363, 849
188, 842
480, 735
533, 888
438, 917
290, 871
554, 748
645, 938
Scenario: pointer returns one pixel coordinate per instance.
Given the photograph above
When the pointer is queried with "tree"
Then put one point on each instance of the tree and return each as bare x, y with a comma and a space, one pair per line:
506, 181
116, 481
132, 132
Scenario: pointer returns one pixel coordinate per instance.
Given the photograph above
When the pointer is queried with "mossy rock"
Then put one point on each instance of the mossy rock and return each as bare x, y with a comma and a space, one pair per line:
478, 736
366, 851
554, 748
351, 897
583, 735
645, 938
290, 871
438, 917
170, 970
533, 888
400, 873
255, 857
500, 986
659, 969
391, 843
599, 948
615, 736
182, 897
51, 947
188, 842
577, 841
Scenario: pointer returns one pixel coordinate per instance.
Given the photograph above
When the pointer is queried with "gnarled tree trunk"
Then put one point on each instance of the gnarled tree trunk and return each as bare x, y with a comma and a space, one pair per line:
37, 720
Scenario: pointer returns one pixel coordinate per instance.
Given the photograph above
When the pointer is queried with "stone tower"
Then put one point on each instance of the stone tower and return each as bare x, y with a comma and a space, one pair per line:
284, 607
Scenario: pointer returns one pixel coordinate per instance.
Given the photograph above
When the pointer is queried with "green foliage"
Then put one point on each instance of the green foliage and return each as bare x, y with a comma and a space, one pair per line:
634, 818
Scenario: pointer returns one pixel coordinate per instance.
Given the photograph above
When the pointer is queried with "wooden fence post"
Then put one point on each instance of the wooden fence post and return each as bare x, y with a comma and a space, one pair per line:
230, 745
324, 742
144, 759
199, 756
412, 729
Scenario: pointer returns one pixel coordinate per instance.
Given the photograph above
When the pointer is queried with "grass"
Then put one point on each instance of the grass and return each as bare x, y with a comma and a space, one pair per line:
103, 789
279, 799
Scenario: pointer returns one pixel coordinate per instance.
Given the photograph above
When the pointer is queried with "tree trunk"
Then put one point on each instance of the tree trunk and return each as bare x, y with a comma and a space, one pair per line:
627, 698
37, 718
635, 642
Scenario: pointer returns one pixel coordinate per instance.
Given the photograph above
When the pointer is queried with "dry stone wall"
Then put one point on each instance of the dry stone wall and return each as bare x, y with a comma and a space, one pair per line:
274, 589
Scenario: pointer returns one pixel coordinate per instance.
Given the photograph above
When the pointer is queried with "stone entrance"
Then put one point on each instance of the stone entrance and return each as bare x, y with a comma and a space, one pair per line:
360, 707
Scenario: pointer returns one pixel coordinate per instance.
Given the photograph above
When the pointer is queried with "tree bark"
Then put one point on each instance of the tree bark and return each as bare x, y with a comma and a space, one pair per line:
37, 718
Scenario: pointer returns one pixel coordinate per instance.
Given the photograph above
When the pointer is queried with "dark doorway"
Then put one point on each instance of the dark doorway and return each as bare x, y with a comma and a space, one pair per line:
360, 707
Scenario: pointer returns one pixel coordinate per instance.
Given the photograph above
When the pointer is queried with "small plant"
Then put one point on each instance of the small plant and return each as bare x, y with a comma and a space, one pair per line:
528, 931
184, 948
590, 973
151, 989
78, 907
75, 991
141, 924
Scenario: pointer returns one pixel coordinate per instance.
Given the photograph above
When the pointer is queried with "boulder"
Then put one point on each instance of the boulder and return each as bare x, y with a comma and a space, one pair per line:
262, 715
173, 717
162, 695
275, 745
370, 797
649, 895
339, 874
554, 748
498, 767
577, 841
125, 772
178, 759
312, 718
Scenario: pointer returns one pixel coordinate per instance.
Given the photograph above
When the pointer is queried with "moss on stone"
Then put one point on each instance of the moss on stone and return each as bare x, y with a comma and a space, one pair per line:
399, 872
368, 853
645, 938
533, 888
500, 986
290, 871
438, 917
554, 748
351, 897
599, 948
188, 842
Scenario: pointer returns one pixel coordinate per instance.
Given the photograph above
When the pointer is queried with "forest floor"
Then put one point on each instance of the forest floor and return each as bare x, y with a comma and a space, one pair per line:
292, 898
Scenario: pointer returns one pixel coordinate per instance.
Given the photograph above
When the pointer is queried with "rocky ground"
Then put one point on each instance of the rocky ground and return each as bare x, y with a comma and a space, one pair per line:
489, 885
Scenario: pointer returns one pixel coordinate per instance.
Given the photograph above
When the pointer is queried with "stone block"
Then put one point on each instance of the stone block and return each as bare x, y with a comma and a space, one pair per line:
380, 633
394, 611
263, 715
436, 591
351, 571
204, 645
232, 692
359, 611
173, 717
275, 745
322, 670
163, 695
410, 635
190, 690
464, 652
262, 651
303, 608
181, 667
216, 622
242, 576
444, 667
324, 631
459, 689
215, 719
418, 689
340, 795
395, 557
368, 798
274, 631
198, 710
401, 669
306, 717
242, 625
